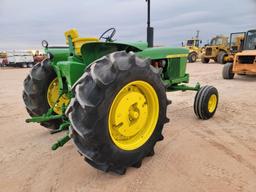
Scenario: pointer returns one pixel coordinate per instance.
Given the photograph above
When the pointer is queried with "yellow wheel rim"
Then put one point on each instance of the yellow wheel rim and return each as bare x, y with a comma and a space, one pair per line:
212, 103
53, 95
133, 115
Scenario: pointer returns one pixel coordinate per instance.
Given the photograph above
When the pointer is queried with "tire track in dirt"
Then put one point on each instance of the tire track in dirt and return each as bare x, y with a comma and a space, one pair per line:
222, 174
221, 147
208, 168
28, 183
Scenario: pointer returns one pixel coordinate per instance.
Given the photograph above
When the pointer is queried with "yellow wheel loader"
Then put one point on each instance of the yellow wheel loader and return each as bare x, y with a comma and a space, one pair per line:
222, 50
193, 45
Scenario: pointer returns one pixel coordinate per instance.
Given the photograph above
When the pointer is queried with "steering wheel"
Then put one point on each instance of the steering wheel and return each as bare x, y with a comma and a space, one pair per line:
108, 38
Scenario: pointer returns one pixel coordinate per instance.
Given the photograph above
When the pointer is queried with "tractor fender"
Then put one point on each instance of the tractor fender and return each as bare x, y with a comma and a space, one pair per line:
95, 50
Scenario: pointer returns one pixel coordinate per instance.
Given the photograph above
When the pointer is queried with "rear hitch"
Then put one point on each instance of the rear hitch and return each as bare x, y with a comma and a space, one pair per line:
49, 115
61, 142
43, 118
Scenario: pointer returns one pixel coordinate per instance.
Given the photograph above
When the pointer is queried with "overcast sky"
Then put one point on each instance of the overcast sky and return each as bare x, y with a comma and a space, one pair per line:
24, 23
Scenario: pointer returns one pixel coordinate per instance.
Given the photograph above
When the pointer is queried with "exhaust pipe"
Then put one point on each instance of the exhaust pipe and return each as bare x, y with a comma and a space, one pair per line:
150, 30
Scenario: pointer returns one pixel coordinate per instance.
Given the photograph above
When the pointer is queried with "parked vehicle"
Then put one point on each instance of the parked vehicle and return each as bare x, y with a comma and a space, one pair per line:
222, 50
244, 62
193, 45
218, 45
20, 59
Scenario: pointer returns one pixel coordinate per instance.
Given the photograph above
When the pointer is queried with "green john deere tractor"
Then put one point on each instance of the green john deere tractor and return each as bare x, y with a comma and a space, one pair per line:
110, 96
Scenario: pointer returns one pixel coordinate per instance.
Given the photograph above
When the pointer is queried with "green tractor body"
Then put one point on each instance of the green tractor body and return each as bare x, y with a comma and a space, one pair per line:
110, 96
71, 67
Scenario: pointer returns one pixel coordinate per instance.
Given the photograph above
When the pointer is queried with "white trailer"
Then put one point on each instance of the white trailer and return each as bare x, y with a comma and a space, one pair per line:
20, 59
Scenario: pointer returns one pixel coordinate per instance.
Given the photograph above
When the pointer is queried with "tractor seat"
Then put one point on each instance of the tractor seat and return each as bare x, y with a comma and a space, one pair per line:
78, 41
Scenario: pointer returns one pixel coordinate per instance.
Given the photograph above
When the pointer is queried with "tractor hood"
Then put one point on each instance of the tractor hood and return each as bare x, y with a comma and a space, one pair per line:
163, 52
139, 44
95, 50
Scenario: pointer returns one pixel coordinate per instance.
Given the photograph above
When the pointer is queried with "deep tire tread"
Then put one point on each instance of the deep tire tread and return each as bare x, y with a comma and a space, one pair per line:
85, 109
227, 71
34, 93
201, 102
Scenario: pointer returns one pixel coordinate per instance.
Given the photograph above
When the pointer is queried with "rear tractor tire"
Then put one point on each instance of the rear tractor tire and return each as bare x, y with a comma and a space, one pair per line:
118, 112
192, 57
227, 72
40, 88
205, 60
206, 102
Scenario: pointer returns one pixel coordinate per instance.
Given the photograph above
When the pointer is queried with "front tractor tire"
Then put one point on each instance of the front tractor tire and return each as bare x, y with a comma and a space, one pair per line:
227, 72
36, 94
118, 112
192, 57
206, 102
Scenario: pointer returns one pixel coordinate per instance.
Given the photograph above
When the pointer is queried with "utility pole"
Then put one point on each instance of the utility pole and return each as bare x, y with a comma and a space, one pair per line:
150, 30
197, 34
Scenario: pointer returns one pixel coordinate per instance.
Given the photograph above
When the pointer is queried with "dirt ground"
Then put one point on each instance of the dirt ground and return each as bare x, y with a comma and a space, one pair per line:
218, 155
